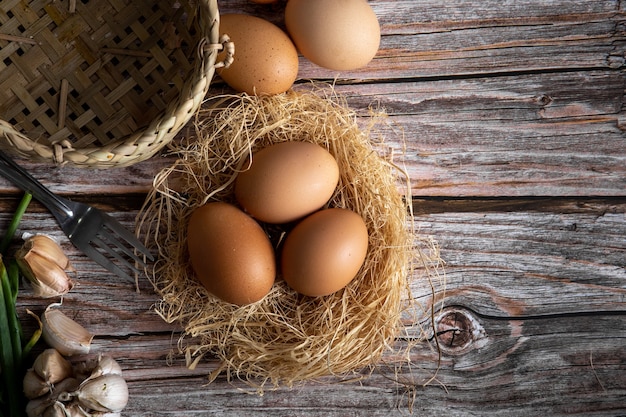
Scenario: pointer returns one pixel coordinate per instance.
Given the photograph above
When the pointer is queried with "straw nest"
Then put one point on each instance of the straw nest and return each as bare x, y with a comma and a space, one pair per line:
284, 338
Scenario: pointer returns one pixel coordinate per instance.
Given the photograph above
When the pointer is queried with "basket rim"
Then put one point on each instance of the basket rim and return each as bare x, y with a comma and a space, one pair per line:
146, 141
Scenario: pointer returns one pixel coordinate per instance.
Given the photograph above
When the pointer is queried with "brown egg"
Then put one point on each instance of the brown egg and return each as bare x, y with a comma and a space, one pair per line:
335, 34
230, 253
324, 252
286, 181
266, 61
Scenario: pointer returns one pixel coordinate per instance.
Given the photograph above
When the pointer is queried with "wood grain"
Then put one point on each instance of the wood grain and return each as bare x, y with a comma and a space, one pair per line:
545, 290
509, 119
563, 372
425, 39
539, 134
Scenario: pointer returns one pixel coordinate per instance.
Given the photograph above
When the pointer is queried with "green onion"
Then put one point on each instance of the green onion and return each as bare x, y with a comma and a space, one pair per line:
11, 352
14, 279
14, 324
17, 217
8, 360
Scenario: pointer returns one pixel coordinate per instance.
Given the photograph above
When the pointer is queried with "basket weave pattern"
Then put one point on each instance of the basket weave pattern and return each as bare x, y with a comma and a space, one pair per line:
102, 83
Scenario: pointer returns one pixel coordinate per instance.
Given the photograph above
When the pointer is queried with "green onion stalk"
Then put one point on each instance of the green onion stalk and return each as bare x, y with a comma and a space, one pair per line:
12, 349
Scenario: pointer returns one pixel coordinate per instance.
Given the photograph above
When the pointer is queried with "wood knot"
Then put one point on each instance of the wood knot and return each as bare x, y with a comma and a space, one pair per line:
544, 100
458, 331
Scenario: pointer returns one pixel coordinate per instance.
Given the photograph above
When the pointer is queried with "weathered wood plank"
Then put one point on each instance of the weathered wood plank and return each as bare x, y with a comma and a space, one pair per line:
556, 366
544, 134
574, 377
558, 134
532, 263
500, 264
553, 366
425, 39
575, 365
575, 250
550, 366
542, 281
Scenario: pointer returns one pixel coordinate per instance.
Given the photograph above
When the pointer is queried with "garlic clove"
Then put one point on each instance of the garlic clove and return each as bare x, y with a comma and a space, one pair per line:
36, 407
106, 366
42, 261
56, 409
102, 365
64, 334
52, 367
46, 247
33, 385
106, 393
62, 391
47, 280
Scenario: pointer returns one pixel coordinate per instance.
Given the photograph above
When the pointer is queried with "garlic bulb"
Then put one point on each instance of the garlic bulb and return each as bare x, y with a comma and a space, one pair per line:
106, 393
63, 333
89, 389
43, 262
52, 367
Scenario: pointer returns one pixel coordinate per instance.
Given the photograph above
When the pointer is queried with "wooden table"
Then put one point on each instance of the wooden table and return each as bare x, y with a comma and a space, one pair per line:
514, 138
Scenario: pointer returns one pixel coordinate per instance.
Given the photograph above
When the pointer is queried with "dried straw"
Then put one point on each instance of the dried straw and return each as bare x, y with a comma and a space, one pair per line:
284, 338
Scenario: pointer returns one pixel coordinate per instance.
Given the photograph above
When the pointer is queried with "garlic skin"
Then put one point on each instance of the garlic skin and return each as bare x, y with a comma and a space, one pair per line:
52, 367
75, 410
63, 333
42, 261
106, 393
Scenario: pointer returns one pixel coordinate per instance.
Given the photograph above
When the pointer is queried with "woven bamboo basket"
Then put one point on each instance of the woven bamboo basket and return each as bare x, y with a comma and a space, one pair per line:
103, 83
